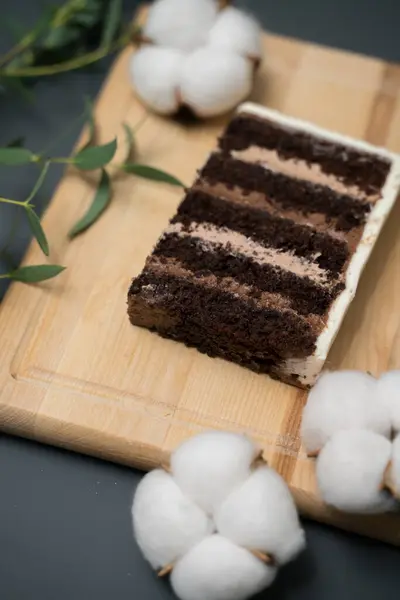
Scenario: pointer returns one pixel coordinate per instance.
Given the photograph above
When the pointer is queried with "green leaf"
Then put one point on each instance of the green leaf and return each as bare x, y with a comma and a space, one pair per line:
95, 157
130, 140
37, 230
36, 273
15, 156
61, 36
112, 22
87, 19
151, 173
100, 202
17, 142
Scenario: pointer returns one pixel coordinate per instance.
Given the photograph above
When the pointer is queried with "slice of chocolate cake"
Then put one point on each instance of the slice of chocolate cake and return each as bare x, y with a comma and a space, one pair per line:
264, 254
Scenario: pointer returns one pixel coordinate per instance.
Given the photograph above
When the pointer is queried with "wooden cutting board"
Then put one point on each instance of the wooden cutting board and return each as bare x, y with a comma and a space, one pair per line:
75, 373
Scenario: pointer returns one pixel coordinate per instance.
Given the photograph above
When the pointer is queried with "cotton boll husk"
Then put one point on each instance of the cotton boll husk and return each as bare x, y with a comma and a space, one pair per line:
396, 465
182, 24
166, 523
342, 400
217, 569
392, 475
350, 471
237, 31
207, 467
261, 515
388, 393
215, 80
155, 74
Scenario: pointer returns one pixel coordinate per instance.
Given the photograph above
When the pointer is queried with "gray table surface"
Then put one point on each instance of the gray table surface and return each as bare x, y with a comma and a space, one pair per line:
65, 527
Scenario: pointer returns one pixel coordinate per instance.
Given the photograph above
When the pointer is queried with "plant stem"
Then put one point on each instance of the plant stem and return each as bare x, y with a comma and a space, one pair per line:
68, 65
9, 201
4, 275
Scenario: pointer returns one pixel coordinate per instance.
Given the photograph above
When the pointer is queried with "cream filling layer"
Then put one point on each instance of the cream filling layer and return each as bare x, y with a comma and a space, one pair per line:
300, 169
237, 244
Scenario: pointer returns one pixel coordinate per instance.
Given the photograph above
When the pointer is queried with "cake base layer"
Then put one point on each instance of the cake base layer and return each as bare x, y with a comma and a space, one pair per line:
248, 331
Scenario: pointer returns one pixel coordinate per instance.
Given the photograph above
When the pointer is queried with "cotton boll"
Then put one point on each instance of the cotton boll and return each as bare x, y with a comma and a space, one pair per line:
217, 569
261, 515
350, 471
342, 400
237, 31
155, 73
182, 24
215, 80
166, 523
207, 467
388, 393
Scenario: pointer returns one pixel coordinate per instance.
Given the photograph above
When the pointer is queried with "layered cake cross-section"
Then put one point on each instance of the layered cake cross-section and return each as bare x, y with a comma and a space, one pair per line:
263, 257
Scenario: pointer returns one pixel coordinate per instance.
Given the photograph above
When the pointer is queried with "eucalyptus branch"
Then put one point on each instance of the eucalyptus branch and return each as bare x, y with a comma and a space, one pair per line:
72, 36
90, 157
63, 40
53, 18
68, 65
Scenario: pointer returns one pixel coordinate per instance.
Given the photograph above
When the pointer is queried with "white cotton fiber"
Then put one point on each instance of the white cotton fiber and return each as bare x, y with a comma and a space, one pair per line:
155, 74
217, 569
210, 465
237, 31
215, 80
350, 471
388, 393
182, 24
261, 515
342, 400
166, 523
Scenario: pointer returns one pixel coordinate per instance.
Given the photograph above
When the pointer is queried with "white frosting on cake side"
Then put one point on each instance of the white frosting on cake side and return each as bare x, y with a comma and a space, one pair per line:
308, 369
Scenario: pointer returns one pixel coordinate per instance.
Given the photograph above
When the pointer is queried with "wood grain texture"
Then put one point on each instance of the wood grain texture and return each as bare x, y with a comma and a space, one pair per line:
74, 373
